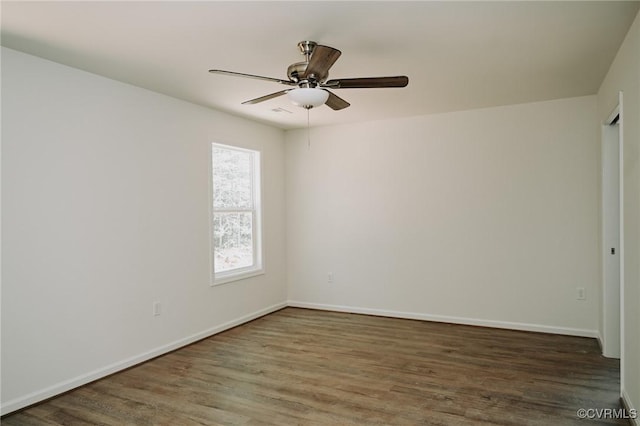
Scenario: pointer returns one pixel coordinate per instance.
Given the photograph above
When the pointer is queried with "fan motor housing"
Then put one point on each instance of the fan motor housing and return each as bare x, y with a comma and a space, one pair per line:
296, 70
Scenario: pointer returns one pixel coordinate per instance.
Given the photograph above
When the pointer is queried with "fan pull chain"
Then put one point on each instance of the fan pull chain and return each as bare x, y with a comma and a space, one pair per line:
308, 131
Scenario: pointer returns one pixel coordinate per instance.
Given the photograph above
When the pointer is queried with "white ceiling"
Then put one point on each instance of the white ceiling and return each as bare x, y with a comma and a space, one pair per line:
458, 55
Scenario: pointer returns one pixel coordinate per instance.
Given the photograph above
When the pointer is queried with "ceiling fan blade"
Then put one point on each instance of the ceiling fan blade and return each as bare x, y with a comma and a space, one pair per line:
265, 97
258, 77
322, 58
368, 82
336, 102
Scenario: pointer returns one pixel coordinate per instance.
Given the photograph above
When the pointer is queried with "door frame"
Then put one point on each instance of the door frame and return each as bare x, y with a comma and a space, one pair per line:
610, 229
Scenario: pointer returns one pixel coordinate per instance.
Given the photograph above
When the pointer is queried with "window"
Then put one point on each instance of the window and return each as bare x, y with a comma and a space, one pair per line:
237, 251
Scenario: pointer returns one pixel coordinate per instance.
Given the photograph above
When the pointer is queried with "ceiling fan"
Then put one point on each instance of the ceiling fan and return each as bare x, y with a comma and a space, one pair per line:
308, 79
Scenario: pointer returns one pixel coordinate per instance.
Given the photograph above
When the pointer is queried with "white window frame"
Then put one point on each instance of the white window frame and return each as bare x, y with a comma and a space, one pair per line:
257, 268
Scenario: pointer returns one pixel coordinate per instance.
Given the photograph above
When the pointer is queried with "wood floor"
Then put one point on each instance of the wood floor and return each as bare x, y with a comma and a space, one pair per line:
306, 367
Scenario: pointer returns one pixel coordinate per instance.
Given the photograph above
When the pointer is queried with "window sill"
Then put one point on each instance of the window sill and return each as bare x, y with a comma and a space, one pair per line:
236, 276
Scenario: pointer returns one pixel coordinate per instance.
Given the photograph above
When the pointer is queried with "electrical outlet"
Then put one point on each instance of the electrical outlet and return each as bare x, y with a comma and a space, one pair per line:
581, 293
156, 309
330, 277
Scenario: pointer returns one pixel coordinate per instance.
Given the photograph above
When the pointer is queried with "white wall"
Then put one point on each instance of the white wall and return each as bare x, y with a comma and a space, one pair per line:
624, 75
485, 217
105, 195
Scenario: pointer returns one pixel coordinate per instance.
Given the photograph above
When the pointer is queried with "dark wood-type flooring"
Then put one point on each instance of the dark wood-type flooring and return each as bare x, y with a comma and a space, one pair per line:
306, 367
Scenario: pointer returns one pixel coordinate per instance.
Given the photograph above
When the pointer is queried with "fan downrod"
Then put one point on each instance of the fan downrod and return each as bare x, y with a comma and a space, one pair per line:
306, 48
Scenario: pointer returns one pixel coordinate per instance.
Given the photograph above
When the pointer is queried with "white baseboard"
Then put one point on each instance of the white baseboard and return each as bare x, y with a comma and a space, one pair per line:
630, 408
449, 319
70, 384
600, 342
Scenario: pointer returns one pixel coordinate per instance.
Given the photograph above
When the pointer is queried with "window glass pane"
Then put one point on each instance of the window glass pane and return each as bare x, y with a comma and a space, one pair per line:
232, 182
236, 214
233, 241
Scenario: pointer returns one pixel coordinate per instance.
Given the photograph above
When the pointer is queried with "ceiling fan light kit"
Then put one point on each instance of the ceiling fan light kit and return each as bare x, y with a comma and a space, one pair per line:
310, 79
308, 97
